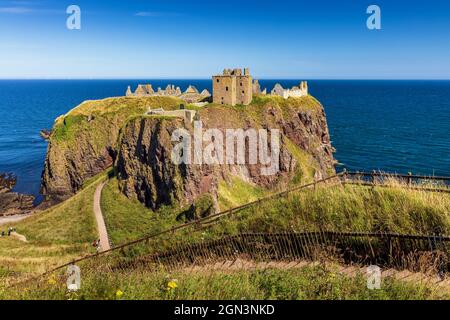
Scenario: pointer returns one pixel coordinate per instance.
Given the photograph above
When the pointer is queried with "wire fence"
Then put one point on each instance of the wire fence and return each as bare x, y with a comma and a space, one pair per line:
415, 182
402, 251
412, 252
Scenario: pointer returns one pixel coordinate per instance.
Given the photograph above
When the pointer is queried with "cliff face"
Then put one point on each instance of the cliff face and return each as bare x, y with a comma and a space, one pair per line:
98, 134
145, 169
83, 142
66, 170
146, 172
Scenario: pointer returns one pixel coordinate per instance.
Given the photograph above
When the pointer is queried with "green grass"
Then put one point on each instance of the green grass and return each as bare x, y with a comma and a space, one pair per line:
127, 219
351, 209
342, 208
55, 236
307, 165
237, 192
107, 116
339, 208
67, 223
308, 283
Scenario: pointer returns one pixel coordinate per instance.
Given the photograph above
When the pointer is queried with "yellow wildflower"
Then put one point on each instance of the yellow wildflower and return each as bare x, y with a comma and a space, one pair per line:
52, 280
119, 294
172, 285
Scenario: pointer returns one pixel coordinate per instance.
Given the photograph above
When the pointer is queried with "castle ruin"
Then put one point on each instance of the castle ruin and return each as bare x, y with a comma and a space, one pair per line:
191, 95
295, 92
187, 115
233, 87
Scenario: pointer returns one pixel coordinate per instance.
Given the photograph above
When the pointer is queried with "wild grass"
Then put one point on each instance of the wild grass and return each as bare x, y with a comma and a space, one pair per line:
341, 208
348, 208
308, 283
55, 236
352, 209
99, 117
237, 192
307, 165
127, 219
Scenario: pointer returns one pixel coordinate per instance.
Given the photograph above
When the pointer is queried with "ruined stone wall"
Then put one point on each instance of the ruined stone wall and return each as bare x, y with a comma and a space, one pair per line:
233, 87
224, 90
244, 90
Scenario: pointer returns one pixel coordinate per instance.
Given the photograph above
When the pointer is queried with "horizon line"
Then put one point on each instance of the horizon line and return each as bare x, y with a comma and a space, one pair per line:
209, 78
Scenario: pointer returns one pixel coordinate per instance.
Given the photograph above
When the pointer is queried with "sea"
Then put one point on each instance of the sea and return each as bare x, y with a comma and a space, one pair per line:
392, 126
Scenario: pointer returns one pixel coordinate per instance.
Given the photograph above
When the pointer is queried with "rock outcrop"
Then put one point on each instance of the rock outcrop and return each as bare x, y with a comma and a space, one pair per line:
82, 143
65, 171
98, 134
12, 203
146, 171
145, 168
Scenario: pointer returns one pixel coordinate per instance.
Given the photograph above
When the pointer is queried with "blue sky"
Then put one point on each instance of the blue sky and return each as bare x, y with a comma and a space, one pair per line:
194, 39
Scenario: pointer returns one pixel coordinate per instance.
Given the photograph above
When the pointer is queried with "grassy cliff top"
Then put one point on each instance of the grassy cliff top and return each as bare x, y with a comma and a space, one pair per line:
94, 115
124, 108
99, 121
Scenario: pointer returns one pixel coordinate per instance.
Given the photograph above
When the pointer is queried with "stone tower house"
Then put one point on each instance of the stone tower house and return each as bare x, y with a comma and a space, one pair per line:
233, 87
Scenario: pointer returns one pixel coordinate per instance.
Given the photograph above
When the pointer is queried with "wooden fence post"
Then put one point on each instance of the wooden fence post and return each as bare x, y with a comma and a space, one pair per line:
373, 178
345, 175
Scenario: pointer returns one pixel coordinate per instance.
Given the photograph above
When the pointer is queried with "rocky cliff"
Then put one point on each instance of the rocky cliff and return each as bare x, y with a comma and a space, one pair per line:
82, 143
12, 203
146, 172
97, 134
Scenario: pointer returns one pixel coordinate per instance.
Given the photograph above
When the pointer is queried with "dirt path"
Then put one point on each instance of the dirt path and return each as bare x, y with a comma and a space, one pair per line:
12, 219
103, 233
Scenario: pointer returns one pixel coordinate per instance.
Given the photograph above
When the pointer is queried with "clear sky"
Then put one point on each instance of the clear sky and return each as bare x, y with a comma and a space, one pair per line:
194, 39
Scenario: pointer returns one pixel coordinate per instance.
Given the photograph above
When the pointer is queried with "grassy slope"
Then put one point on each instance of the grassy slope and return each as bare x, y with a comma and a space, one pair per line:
340, 208
67, 230
349, 208
308, 283
118, 110
236, 192
54, 236
128, 220
352, 209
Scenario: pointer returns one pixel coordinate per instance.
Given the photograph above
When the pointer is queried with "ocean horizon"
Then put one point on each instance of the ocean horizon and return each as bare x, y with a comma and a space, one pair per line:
389, 125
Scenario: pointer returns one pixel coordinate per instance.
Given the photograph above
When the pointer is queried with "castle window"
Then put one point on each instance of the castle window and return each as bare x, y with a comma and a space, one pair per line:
243, 91
217, 80
226, 88
241, 84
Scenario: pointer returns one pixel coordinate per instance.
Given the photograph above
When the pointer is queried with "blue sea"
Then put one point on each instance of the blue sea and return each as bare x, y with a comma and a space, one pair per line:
394, 126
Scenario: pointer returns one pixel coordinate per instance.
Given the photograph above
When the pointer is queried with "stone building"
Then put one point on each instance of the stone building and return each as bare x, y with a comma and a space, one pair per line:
256, 88
233, 87
187, 115
294, 92
191, 95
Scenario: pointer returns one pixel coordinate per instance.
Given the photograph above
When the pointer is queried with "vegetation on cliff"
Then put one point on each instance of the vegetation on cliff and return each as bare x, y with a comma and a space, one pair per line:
54, 236
347, 208
146, 172
85, 141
